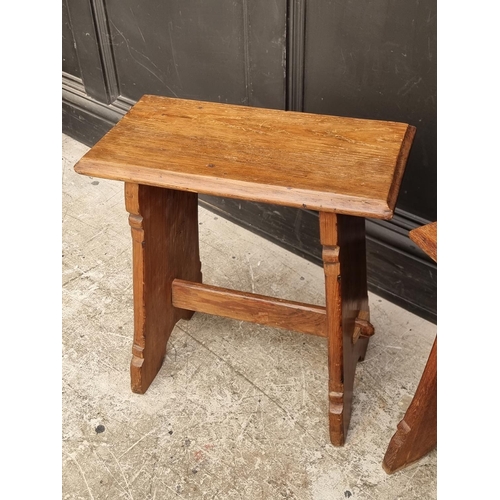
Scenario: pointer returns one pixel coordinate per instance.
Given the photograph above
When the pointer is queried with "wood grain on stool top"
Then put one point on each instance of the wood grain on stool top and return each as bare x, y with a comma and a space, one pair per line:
326, 163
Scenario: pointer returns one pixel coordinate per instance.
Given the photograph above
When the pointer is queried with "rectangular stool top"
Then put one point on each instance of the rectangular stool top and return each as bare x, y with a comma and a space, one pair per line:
320, 162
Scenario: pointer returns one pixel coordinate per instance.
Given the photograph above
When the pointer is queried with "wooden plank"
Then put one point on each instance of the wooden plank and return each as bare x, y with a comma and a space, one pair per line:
164, 226
426, 238
278, 313
326, 163
344, 258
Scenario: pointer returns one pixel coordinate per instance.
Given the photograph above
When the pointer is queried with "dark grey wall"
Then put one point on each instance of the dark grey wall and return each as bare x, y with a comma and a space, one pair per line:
365, 58
377, 59
228, 51
69, 57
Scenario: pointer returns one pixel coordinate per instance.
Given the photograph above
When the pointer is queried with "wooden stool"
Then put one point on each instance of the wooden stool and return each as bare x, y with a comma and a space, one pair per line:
169, 150
416, 434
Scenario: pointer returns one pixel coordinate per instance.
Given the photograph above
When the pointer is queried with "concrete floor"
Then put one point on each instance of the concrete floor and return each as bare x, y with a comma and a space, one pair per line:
238, 410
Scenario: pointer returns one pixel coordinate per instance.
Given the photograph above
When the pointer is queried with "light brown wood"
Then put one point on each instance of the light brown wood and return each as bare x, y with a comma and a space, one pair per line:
279, 313
344, 257
164, 225
168, 150
416, 434
363, 328
326, 163
426, 238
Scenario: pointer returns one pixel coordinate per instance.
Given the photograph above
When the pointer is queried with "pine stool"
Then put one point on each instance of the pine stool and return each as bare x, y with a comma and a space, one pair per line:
169, 150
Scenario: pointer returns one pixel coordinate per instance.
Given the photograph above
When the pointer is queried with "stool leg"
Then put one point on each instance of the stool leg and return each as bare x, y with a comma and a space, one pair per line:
164, 226
344, 258
416, 434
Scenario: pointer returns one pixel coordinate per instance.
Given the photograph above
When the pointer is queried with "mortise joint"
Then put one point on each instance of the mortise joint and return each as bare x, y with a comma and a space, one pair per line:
362, 326
365, 327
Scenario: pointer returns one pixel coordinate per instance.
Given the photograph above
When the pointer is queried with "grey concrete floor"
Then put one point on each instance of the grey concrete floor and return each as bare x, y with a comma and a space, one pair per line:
237, 410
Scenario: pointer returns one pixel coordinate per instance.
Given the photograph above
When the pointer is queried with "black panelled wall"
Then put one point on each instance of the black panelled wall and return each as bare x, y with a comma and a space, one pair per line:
363, 58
